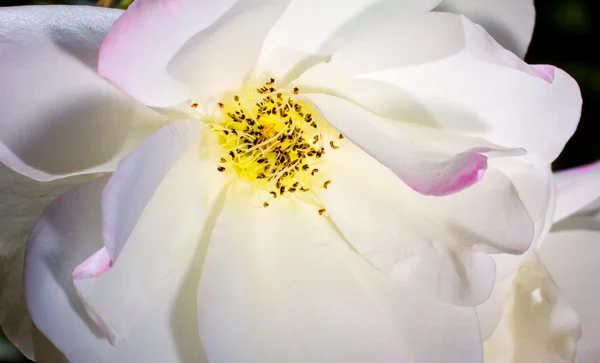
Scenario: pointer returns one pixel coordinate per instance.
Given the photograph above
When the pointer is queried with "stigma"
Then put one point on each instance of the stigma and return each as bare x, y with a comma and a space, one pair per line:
271, 139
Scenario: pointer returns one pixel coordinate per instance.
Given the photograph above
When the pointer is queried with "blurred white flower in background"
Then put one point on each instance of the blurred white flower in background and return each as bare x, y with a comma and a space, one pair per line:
548, 310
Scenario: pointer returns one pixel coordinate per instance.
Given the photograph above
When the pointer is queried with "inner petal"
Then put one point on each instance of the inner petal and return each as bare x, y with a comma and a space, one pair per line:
269, 139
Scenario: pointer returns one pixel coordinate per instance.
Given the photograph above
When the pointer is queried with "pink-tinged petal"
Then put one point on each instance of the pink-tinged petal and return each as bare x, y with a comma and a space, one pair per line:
59, 118
547, 72
510, 22
283, 284
135, 53
455, 77
94, 266
426, 172
138, 176
69, 231
575, 189
450, 176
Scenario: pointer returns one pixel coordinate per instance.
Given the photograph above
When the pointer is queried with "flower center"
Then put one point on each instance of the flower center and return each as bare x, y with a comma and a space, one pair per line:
270, 139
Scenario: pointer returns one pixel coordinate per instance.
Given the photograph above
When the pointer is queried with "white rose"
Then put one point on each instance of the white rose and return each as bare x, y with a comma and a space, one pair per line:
196, 254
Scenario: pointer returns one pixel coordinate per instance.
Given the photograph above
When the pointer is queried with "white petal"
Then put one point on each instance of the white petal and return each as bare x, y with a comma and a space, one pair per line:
312, 29
21, 202
535, 187
510, 22
220, 58
59, 117
425, 242
572, 259
138, 175
575, 189
538, 324
279, 285
66, 233
453, 76
154, 209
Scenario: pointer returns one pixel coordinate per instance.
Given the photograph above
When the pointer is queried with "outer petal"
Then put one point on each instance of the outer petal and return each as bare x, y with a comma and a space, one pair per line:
312, 29
510, 22
576, 188
154, 211
425, 242
58, 117
282, 286
453, 76
572, 259
67, 232
21, 202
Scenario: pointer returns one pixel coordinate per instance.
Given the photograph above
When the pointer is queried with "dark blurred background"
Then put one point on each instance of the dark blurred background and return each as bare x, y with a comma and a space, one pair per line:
567, 35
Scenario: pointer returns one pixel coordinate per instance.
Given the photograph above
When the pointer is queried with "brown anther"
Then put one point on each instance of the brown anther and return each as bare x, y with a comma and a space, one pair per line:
236, 98
314, 171
265, 204
340, 136
322, 211
221, 169
305, 167
296, 90
303, 189
333, 146
195, 105
221, 105
274, 194
326, 184
232, 154
223, 160
292, 190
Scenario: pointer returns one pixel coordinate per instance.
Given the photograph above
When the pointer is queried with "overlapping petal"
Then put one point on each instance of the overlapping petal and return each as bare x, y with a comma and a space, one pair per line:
59, 118
453, 76
220, 58
425, 242
136, 52
510, 22
137, 177
425, 171
311, 30
196, 52
154, 210
66, 233
281, 285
